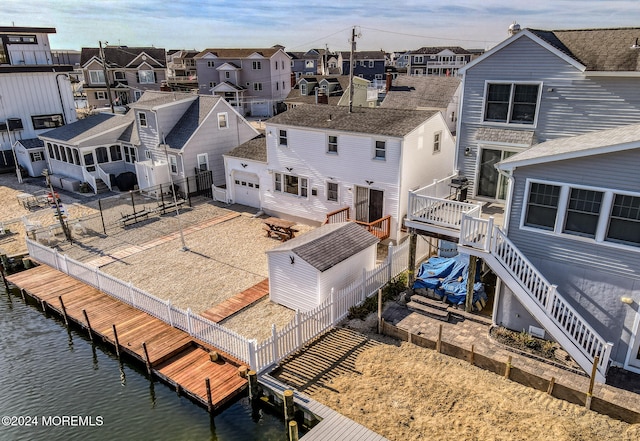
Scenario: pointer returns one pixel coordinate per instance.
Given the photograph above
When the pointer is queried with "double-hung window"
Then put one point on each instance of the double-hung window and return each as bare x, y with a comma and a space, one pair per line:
542, 206
129, 154
583, 212
256, 65
282, 137
257, 87
624, 222
173, 164
142, 119
332, 144
96, 77
291, 184
436, 141
512, 103
222, 120
146, 77
332, 191
381, 150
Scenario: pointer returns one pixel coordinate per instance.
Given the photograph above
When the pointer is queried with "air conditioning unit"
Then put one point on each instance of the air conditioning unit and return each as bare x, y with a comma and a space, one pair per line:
3, 126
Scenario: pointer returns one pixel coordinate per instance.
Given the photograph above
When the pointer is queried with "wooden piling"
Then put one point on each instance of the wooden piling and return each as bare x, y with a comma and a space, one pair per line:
4, 278
147, 360
207, 383
115, 340
507, 368
288, 405
86, 319
552, 383
293, 431
439, 342
592, 380
242, 371
252, 377
64, 311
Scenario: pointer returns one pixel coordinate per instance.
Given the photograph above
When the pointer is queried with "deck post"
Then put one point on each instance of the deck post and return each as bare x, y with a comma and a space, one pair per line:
115, 339
413, 239
253, 356
64, 311
147, 361
471, 279
293, 431
207, 384
298, 330
332, 300
189, 328
289, 413
169, 315
592, 380
364, 284
86, 319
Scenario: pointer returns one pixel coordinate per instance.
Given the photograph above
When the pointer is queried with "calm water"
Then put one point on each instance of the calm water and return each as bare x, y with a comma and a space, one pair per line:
48, 372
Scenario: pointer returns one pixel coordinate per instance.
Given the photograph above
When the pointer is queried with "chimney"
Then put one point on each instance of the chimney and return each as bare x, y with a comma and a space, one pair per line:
389, 80
322, 97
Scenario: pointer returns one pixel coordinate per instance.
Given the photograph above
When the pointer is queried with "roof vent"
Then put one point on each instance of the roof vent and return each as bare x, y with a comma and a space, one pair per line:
514, 28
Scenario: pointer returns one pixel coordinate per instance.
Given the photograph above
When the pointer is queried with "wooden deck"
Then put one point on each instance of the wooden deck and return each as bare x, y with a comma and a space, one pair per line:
238, 302
174, 356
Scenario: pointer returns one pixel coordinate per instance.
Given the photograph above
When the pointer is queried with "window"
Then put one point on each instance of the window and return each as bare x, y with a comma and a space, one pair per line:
129, 154
542, 206
583, 212
381, 150
119, 75
46, 121
256, 65
88, 161
137, 94
211, 64
436, 142
222, 120
418, 59
36, 156
277, 86
147, 154
76, 157
332, 145
50, 147
303, 88
291, 184
101, 95
309, 64
69, 155
511, 103
96, 77
257, 87
22, 39
332, 191
146, 77
212, 84
56, 150
282, 137
371, 63
115, 152
142, 119
173, 164
624, 224
276, 63
378, 76
203, 161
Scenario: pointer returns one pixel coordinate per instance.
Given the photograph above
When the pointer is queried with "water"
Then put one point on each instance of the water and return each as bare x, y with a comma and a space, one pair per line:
48, 372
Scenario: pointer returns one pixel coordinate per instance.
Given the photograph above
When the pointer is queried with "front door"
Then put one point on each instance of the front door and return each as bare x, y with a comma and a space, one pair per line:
369, 204
492, 184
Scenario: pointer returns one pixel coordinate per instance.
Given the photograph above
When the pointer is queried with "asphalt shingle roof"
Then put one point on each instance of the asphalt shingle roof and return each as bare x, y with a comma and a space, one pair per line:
121, 56
522, 137
151, 99
432, 50
82, 129
365, 55
375, 121
239, 52
414, 92
547, 151
597, 49
254, 149
327, 246
191, 120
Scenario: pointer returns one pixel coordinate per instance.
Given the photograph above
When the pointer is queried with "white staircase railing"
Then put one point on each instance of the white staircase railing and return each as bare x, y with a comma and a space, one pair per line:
89, 179
560, 319
104, 176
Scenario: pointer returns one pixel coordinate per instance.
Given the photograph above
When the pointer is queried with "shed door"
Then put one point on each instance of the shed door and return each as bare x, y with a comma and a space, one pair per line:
247, 189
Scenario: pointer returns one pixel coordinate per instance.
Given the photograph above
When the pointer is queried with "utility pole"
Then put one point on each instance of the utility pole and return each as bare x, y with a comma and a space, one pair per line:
106, 75
352, 65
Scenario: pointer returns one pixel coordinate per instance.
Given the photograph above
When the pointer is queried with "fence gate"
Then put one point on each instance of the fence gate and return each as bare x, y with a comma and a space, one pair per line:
204, 182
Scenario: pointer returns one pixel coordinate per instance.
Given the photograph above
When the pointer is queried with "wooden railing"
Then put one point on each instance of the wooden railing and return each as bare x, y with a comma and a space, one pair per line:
380, 228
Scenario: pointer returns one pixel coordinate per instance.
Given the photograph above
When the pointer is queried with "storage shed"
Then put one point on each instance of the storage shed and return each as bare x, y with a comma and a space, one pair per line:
303, 270
30, 155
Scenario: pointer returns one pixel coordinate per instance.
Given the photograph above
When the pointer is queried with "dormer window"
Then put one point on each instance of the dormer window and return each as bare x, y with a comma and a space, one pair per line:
142, 119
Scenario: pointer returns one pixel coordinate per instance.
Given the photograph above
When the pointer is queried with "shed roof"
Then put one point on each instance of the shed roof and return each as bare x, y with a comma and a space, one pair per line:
325, 247
31, 143
375, 121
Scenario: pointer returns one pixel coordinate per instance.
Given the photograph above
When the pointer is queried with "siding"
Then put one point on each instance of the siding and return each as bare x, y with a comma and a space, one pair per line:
346, 272
294, 286
571, 103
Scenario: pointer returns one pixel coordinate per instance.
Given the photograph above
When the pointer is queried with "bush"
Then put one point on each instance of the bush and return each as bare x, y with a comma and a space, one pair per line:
389, 292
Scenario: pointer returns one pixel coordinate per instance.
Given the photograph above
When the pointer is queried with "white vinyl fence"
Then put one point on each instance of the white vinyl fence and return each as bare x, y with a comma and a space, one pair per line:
303, 328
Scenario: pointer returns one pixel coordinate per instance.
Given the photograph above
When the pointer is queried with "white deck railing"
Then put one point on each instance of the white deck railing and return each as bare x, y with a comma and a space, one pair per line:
440, 212
104, 176
304, 327
482, 234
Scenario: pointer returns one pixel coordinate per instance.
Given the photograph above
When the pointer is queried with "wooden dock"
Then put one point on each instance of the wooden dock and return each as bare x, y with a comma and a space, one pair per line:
169, 353
238, 302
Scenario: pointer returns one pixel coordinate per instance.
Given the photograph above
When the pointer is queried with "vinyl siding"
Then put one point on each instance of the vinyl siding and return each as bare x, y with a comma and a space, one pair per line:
571, 103
292, 285
346, 272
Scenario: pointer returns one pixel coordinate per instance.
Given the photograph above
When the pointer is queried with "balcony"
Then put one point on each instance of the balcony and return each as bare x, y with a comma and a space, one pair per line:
380, 228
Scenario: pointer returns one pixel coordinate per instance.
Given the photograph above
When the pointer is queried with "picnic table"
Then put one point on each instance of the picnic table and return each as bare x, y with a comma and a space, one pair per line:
280, 228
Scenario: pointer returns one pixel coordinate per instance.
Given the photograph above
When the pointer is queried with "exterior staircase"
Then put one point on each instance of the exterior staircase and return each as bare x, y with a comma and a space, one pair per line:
101, 187
481, 238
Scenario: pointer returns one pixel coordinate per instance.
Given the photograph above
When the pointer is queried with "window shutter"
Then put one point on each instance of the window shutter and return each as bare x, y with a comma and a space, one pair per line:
155, 79
137, 78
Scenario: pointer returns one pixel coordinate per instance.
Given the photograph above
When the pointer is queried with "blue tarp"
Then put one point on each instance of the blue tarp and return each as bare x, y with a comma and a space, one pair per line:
448, 277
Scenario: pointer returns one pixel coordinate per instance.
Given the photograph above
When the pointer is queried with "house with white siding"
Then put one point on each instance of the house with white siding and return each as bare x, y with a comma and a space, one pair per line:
317, 160
165, 136
548, 128
35, 90
304, 270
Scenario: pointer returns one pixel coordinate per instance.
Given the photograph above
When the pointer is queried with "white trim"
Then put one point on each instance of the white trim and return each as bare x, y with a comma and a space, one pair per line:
635, 338
226, 120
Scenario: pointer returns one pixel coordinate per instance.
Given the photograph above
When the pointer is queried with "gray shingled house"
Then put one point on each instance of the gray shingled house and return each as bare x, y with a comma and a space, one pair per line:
304, 270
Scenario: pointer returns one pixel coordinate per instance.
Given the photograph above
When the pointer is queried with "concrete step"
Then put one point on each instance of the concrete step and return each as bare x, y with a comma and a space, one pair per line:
435, 313
433, 303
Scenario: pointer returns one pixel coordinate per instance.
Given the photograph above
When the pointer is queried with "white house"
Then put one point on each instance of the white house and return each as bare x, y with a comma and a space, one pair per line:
304, 270
319, 159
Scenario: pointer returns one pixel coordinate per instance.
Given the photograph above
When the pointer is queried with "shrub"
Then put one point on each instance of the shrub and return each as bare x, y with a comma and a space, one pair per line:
389, 292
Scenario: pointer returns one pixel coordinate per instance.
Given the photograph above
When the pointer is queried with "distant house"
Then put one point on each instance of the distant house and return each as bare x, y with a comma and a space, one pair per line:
35, 90
368, 64
332, 90
130, 71
164, 134
425, 93
438, 61
182, 75
304, 270
255, 81
319, 159
306, 63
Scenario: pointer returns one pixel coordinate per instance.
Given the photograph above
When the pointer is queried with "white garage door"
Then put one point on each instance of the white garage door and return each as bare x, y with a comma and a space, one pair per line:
247, 189
260, 108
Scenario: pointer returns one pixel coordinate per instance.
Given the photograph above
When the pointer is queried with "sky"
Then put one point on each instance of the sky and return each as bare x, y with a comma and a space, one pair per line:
391, 25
